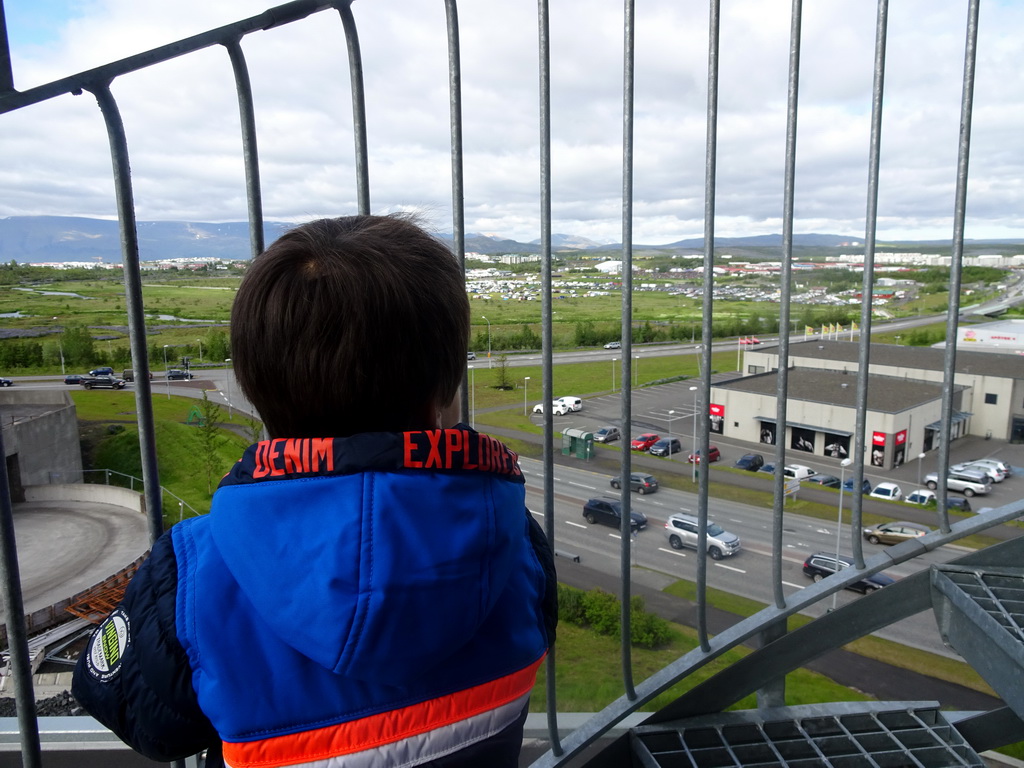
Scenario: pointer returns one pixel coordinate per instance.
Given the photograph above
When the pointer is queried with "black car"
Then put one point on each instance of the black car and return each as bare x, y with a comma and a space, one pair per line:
104, 371
823, 564
5, 382
750, 462
666, 447
829, 481
102, 382
73, 378
609, 512
175, 375
955, 503
640, 482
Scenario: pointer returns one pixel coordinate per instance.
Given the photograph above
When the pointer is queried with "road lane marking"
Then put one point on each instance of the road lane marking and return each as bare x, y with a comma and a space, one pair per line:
615, 536
730, 568
538, 514
581, 485
577, 525
791, 584
672, 552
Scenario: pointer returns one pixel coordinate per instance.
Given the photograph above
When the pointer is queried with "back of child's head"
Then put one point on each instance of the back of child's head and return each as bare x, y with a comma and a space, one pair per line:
348, 325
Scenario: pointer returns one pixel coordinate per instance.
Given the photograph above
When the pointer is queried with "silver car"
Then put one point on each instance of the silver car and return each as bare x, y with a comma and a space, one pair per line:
966, 482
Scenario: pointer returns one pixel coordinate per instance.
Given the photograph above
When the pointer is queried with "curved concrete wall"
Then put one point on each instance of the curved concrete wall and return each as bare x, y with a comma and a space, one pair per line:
104, 494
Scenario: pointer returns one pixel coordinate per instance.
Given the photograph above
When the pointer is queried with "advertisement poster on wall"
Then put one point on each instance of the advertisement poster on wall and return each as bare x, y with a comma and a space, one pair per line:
717, 418
878, 449
802, 440
899, 452
836, 446
767, 433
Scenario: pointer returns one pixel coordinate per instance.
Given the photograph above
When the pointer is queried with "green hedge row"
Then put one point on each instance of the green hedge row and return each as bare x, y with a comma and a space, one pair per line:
601, 611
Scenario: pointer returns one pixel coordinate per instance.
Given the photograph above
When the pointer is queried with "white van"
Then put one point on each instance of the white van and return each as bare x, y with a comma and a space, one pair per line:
798, 471
572, 403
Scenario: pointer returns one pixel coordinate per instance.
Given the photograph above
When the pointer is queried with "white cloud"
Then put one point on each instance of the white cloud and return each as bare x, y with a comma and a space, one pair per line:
182, 120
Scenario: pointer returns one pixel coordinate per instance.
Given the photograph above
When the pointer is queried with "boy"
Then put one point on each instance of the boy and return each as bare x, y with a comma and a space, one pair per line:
368, 588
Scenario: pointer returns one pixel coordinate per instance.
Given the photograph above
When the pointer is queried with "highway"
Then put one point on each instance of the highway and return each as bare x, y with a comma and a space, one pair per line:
747, 573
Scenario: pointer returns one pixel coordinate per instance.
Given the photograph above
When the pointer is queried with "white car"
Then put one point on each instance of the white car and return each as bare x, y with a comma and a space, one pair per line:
1002, 466
889, 491
557, 407
920, 496
798, 471
995, 473
967, 483
613, 345
571, 402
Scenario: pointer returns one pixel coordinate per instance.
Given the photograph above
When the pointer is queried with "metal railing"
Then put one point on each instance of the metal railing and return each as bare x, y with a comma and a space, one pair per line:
769, 625
122, 480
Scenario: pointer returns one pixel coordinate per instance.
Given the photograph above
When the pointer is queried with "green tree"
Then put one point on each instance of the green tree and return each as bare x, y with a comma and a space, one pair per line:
210, 438
503, 379
78, 345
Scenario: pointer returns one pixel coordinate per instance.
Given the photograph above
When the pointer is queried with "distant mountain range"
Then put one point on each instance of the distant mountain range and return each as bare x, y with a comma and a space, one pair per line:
65, 238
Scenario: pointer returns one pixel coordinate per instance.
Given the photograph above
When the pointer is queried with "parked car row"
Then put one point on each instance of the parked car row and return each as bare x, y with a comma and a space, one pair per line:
562, 405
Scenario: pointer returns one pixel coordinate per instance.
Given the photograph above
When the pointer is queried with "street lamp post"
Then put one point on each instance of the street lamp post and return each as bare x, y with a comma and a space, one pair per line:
671, 417
227, 377
636, 371
200, 342
472, 397
526, 387
60, 346
695, 456
839, 522
488, 340
920, 460
613, 373
165, 372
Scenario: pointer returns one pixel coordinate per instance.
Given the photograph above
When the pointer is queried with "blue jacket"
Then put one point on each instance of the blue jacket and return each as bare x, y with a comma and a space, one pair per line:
379, 599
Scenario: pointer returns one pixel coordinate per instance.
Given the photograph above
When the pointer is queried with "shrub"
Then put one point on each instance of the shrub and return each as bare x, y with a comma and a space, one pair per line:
600, 611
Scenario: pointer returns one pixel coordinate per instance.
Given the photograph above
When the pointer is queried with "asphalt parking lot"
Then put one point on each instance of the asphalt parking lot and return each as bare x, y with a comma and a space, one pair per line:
668, 410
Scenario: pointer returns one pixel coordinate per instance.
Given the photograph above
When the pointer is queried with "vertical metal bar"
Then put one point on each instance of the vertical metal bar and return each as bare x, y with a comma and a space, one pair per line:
355, 67
782, 384
458, 188
133, 301
871, 224
544, 48
710, 173
17, 633
956, 263
627, 336
6, 73
247, 115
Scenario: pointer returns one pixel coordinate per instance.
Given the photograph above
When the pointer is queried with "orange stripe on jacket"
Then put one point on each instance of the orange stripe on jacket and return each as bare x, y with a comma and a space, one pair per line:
384, 728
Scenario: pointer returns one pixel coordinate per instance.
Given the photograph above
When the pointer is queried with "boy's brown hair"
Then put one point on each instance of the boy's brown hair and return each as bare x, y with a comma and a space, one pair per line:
348, 325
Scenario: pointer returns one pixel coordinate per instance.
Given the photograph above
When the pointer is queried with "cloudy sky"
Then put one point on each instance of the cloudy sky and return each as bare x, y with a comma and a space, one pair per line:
182, 120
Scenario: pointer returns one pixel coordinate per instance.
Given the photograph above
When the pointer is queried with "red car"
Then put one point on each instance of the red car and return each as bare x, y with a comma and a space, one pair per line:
644, 441
713, 455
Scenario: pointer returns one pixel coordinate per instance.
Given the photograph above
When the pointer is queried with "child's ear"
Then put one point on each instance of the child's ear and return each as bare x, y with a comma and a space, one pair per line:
450, 415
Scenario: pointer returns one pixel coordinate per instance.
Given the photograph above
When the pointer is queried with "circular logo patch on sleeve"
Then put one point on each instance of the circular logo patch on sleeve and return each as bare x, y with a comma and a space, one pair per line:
108, 644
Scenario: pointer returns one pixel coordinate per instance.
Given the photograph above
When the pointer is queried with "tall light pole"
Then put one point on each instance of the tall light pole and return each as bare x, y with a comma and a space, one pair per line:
671, 417
526, 387
613, 373
695, 455
920, 460
200, 341
488, 340
472, 398
60, 346
636, 370
839, 522
228, 377
165, 372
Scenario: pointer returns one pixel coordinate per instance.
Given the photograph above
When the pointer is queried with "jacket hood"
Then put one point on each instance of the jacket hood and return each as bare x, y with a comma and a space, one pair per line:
348, 548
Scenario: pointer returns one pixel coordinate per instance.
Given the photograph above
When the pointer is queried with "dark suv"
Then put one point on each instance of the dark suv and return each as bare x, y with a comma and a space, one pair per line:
608, 512
177, 375
823, 564
750, 462
638, 481
102, 382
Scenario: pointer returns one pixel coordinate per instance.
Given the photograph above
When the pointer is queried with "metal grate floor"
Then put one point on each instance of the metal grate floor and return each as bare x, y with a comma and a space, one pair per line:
1000, 595
901, 734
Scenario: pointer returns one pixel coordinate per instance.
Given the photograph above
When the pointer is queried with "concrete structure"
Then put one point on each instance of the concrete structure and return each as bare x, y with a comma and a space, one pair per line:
904, 399
40, 432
